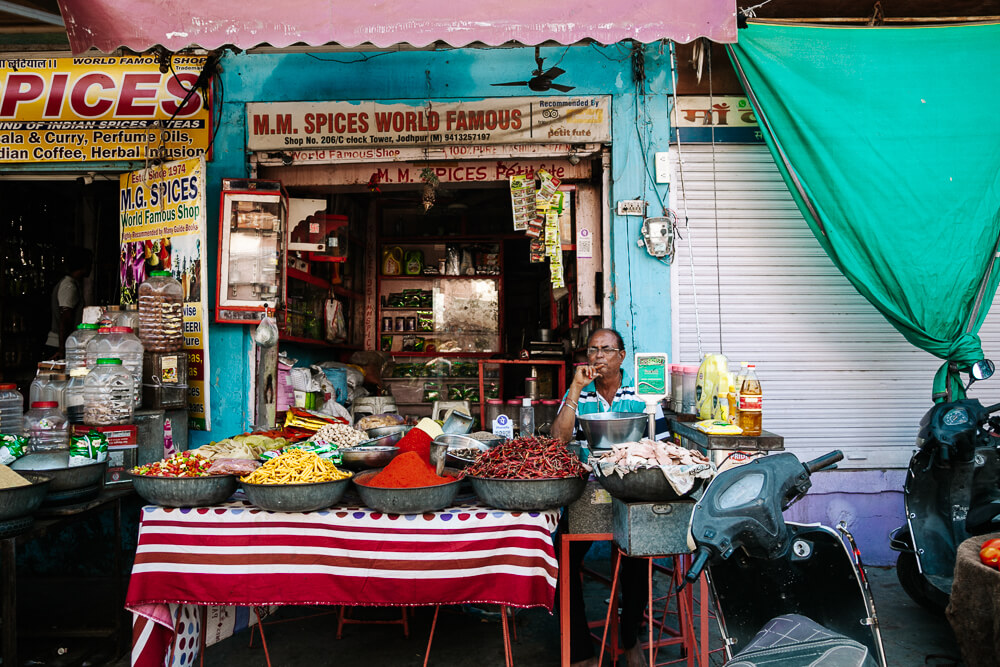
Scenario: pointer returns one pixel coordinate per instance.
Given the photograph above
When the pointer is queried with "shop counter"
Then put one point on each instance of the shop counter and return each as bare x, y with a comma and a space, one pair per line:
237, 555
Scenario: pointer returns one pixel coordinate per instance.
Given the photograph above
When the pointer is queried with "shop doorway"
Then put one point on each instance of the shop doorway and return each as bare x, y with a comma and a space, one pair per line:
44, 224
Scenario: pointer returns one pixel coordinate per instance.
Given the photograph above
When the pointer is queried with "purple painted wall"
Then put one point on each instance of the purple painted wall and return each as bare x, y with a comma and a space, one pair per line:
869, 501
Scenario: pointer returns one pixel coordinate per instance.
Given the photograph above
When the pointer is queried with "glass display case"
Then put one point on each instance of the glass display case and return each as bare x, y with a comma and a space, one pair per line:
252, 221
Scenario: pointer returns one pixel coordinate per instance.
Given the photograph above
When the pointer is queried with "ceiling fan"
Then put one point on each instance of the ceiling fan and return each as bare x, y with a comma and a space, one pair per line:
541, 80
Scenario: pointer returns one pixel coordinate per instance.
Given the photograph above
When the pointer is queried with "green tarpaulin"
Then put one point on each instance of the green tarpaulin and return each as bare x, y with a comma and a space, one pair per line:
888, 140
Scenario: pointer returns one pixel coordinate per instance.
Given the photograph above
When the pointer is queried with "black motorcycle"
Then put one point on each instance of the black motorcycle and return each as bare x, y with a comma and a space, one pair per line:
951, 494
786, 594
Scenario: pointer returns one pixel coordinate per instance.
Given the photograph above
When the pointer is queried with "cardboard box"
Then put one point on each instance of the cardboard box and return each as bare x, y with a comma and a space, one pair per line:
120, 435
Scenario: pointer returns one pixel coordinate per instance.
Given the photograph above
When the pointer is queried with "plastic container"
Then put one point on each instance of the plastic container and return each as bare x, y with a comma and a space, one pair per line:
689, 380
494, 408
107, 394
74, 395
57, 390
76, 346
95, 344
161, 313
109, 316
527, 418
39, 388
11, 410
677, 387
751, 403
129, 349
129, 317
545, 414
164, 380
734, 410
47, 427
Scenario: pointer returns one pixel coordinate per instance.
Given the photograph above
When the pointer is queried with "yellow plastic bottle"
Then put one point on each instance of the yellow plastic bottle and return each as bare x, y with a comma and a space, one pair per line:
710, 377
734, 409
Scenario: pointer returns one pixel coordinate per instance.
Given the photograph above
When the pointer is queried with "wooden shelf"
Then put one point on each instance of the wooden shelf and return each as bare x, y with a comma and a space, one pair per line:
300, 340
296, 274
449, 355
434, 377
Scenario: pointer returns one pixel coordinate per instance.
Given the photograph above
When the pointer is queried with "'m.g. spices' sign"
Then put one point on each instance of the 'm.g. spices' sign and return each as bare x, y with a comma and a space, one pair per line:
500, 120
97, 109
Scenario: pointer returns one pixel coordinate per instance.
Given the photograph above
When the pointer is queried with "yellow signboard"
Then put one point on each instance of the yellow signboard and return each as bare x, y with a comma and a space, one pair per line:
162, 228
95, 109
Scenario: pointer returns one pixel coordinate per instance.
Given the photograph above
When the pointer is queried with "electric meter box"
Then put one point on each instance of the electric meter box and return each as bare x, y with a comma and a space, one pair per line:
252, 222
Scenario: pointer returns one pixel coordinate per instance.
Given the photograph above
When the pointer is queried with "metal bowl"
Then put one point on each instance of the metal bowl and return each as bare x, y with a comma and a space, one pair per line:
63, 478
184, 491
381, 431
18, 501
368, 456
454, 442
528, 494
416, 500
604, 429
642, 485
296, 497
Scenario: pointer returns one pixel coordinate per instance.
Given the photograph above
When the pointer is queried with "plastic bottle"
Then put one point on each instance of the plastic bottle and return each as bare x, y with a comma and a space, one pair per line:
161, 310
11, 410
125, 345
74, 395
47, 427
96, 343
734, 411
751, 403
57, 390
76, 346
527, 417
107, 394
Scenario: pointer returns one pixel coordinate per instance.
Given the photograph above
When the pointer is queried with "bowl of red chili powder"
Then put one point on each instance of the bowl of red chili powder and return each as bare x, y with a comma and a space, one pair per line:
408, 485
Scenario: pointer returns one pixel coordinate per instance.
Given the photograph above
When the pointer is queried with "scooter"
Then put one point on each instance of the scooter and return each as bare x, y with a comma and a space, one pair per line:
786, 594
951, 494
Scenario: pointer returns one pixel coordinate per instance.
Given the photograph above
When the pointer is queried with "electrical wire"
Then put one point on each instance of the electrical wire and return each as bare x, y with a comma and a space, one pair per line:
715, 196
687, 220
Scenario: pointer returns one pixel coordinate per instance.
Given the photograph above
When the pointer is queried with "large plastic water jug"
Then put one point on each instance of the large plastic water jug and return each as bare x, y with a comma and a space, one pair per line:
11, 410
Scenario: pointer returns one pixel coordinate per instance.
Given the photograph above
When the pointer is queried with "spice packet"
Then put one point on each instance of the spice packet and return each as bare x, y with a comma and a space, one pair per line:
12, 447
88, 448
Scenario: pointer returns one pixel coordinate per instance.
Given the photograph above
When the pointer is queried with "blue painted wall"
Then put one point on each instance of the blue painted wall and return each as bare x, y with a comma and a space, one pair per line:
639, 129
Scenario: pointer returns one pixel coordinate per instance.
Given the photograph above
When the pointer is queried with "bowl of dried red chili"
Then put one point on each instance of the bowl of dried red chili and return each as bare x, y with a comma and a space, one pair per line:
408, 485
528, 474
182, 481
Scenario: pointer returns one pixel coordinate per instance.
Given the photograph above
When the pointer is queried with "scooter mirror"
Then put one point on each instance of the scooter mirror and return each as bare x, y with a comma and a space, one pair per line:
982, 369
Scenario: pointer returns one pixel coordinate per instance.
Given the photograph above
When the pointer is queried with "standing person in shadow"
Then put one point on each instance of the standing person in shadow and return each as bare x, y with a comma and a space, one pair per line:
66, 302
602, 385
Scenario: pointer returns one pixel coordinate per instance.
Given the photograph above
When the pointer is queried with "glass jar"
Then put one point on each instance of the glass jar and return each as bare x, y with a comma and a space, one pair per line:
47, 427
11, 410
74, 395
161, 313
545, 414
107, 394
76, 346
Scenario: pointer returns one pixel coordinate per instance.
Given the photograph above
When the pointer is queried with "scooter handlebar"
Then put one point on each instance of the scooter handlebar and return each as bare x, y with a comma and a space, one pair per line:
824, 461
700, 559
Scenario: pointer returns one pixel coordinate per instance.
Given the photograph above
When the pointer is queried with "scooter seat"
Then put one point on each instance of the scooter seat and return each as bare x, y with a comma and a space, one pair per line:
792, 640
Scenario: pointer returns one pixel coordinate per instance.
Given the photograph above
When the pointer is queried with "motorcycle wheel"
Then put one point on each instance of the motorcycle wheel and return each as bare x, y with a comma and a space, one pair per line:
918, 588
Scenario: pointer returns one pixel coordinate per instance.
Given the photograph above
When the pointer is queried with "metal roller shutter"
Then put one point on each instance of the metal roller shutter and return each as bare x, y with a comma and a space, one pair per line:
835, 374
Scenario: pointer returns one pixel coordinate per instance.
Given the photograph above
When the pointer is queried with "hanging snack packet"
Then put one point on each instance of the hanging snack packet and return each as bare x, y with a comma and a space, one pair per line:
12, 447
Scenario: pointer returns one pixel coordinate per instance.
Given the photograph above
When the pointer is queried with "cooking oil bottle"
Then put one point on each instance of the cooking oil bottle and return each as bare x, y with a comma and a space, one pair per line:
751, 402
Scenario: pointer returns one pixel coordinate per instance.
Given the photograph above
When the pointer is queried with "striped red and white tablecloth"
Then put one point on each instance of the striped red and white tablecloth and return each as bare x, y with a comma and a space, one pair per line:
236, 554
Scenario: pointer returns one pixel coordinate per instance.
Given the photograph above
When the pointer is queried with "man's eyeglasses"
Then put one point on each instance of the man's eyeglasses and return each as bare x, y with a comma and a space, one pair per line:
601, 351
